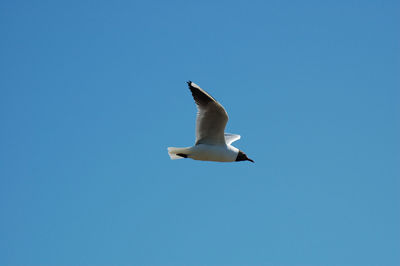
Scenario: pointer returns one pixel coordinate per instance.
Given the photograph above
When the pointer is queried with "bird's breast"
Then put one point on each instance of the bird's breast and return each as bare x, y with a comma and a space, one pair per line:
217, 153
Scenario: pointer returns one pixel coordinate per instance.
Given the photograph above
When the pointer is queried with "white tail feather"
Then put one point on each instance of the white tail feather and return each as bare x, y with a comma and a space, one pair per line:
172, 152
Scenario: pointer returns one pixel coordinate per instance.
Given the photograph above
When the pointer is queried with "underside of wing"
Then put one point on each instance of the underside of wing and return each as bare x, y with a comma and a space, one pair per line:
211, 117
230, 138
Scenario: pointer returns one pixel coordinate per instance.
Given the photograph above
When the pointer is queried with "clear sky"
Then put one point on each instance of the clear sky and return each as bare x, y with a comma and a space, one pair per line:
93, 92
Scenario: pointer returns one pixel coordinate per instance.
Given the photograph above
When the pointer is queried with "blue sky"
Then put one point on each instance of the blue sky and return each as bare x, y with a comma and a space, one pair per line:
93, 92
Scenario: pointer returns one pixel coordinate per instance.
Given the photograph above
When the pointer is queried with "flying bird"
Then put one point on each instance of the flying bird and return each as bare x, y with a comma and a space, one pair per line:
212, 143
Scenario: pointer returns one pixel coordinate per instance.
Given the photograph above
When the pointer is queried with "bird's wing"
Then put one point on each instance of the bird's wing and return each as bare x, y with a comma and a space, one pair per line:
211, 117
229, 138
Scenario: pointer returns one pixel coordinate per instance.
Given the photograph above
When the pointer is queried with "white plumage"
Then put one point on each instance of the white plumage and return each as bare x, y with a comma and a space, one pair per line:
212, 144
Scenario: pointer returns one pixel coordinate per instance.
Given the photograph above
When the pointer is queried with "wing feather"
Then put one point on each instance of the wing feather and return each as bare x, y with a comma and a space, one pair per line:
229, 138
211, 117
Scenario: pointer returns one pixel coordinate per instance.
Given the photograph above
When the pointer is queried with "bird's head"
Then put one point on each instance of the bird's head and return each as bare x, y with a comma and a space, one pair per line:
243, 157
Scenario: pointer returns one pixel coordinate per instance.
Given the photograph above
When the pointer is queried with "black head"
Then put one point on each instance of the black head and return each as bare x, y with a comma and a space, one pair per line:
243, 157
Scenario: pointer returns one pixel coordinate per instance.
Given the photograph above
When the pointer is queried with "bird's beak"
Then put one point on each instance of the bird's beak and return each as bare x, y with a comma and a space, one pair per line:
248, 159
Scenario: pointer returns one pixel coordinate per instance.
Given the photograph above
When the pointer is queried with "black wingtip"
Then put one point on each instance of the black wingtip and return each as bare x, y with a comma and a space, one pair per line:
189, 82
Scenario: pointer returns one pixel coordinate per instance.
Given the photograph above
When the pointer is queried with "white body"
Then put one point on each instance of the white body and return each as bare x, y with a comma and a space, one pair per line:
212, 143
205, 152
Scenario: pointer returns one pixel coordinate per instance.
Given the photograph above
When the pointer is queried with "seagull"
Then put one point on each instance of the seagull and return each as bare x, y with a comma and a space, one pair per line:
212, 143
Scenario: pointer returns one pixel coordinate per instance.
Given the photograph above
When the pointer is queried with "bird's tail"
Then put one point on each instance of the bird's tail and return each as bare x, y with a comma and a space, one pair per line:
178, 153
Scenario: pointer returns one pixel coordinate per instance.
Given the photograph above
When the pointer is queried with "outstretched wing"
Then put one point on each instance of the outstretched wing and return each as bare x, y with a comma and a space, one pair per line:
211, 117
229, 138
